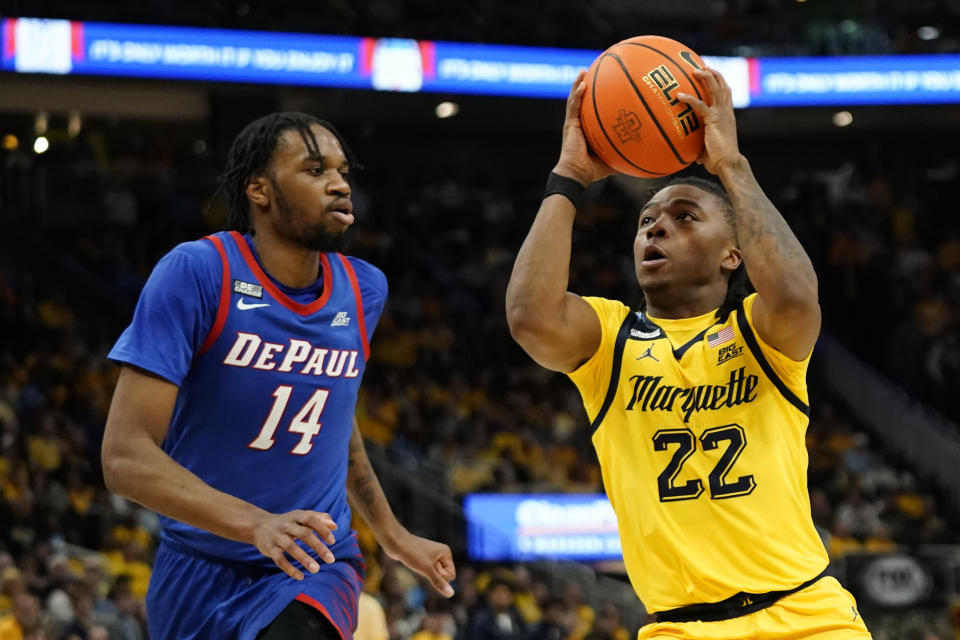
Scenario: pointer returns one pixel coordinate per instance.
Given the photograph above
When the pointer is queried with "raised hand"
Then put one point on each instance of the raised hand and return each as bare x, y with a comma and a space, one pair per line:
720, 124
576, 161
275, 535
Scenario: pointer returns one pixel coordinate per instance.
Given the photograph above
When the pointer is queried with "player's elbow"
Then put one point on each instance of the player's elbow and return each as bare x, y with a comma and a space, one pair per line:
119, 466
525, 324
112, 465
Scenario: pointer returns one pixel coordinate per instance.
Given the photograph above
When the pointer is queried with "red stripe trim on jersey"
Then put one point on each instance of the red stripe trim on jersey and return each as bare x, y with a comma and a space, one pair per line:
305, 599
356, 575
275, 292
361, 322
223, 307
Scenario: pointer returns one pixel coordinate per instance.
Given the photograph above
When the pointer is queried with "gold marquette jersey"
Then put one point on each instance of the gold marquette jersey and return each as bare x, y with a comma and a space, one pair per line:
699, 428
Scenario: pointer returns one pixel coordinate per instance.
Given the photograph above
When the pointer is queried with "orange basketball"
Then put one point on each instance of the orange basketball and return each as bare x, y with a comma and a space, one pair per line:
630, 113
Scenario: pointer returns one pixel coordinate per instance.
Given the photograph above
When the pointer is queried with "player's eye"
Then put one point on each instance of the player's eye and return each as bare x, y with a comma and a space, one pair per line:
645, 220
685, 215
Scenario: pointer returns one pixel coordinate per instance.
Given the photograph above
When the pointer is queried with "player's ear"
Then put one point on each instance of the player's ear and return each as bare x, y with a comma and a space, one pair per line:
731, 259
258, 191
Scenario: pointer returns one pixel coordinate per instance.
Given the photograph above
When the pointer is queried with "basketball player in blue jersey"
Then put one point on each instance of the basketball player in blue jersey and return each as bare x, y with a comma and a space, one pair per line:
698, 401
233, 414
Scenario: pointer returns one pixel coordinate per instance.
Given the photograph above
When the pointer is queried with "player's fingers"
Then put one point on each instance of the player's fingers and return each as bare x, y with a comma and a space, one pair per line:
439, 583
297, 553
445, 567
576, 96
281, 561
709, 82
723, 88
698, 105
306, 534
721, 81
322, 523
314, 543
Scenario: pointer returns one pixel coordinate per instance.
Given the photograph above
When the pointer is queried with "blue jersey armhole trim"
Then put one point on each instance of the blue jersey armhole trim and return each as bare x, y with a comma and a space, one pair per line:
618, 348
754, 347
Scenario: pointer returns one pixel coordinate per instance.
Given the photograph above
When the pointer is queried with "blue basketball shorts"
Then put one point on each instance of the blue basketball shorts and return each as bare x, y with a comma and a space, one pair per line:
193, 595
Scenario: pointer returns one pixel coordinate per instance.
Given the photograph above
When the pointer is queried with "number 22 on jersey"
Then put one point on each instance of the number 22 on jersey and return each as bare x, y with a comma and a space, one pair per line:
306, 422
686, 443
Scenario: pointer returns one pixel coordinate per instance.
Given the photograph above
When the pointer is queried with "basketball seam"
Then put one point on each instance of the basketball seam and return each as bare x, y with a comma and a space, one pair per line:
603, 130
647, 107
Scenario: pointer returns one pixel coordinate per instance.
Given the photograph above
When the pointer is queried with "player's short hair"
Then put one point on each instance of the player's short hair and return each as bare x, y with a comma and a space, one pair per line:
250, 156
738, 285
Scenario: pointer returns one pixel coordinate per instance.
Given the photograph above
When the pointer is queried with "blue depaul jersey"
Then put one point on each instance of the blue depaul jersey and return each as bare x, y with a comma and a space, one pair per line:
268, 377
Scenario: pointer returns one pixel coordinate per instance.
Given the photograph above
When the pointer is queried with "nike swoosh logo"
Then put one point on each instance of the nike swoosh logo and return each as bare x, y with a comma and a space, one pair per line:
243, 306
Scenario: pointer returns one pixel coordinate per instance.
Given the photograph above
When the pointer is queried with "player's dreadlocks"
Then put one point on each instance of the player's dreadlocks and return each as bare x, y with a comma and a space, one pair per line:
739, 285
250, 155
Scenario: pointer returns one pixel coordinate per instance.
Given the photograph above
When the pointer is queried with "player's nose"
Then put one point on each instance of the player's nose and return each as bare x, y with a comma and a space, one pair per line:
339, 186
657, 228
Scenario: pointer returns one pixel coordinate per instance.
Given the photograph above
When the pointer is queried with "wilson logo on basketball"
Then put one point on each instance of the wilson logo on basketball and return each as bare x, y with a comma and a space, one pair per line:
627, 126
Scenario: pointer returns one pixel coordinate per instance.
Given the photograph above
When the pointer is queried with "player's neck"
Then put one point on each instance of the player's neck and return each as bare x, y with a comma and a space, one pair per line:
676, 302
287, 262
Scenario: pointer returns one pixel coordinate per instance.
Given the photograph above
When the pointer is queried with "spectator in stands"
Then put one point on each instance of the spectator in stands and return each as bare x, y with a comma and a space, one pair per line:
552, 626
580, 615
607, 625
437, 623
499, 619
127, 621
23, 619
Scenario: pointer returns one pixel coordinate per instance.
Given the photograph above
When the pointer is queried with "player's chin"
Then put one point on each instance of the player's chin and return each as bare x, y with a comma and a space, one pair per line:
652, 278
320, 238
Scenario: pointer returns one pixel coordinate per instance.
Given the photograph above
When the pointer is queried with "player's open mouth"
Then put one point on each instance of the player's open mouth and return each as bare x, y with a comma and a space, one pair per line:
653, 256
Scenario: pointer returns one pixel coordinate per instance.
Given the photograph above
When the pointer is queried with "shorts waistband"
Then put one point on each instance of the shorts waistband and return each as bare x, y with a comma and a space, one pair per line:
733, 607
242, 567
247, 568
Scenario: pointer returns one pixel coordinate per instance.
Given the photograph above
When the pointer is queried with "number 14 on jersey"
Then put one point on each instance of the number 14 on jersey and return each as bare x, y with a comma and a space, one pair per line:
306, 422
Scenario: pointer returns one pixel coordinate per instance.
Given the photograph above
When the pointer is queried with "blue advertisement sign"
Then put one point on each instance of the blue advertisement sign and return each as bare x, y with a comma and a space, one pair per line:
516, 71
914, 79
541, 526
146, 51
31, 45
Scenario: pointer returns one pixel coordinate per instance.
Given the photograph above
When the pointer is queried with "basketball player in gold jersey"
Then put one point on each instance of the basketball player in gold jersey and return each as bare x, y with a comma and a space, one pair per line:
698, 403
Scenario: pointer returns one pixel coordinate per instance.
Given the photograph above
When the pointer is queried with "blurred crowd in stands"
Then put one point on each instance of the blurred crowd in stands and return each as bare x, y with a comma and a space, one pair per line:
446, 386
757, 27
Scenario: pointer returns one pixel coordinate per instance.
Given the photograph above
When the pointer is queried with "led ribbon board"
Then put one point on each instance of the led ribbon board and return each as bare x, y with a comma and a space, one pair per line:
31, 45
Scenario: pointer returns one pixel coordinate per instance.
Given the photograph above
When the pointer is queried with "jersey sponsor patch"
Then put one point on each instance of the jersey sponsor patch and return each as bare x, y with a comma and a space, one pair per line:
247, 289
340, 320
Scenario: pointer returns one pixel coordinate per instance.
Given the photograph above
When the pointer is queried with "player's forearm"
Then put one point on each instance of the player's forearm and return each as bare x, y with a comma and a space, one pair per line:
366, 495
139, 470
776, 262
541, 272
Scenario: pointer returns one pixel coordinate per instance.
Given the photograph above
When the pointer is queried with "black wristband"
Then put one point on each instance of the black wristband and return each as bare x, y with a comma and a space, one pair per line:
567, 187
